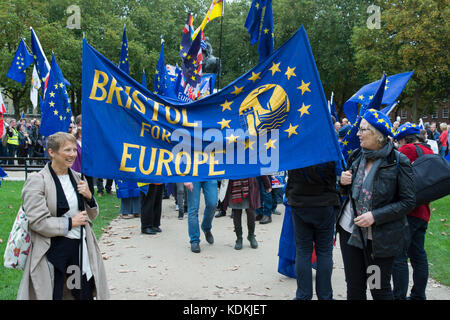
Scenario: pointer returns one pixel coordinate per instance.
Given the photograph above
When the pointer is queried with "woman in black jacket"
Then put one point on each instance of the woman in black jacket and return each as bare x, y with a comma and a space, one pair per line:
372, 222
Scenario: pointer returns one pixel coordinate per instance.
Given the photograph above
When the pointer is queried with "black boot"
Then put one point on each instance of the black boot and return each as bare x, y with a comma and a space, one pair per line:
237, 229
251, 231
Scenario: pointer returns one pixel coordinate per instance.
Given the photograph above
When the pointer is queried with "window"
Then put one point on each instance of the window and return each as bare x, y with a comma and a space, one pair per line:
434, 115
445, 113
404, 114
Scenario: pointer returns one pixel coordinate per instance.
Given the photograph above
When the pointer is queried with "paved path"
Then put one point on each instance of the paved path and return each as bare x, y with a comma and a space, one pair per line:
162, 266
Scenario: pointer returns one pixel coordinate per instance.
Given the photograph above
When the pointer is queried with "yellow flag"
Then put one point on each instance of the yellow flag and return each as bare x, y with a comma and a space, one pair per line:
214, 11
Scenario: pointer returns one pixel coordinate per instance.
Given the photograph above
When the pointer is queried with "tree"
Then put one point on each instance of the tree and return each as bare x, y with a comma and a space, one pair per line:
414, 35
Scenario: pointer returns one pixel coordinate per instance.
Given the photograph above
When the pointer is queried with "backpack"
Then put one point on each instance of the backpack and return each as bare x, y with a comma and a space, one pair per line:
19, 243
431, 177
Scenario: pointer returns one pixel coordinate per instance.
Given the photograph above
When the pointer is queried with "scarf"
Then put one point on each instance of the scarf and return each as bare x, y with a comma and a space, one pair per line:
61, 201
239, 190
362, 188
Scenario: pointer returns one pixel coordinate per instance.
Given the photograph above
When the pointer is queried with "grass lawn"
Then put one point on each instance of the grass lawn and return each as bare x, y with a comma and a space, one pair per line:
10, 201
437, 241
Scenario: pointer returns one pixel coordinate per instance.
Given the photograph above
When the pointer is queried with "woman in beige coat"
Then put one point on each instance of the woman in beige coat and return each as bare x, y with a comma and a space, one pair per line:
57, 203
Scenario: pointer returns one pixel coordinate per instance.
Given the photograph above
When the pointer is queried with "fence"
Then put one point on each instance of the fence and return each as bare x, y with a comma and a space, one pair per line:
23, 164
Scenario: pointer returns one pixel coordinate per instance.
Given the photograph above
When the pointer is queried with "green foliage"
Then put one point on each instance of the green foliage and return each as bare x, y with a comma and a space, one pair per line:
414, 35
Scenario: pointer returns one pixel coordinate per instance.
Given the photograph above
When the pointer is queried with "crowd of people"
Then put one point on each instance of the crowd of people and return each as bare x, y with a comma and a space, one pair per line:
21, 139
370, 205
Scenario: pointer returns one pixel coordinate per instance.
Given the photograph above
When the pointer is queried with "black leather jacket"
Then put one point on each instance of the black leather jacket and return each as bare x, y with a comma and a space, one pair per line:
393, 198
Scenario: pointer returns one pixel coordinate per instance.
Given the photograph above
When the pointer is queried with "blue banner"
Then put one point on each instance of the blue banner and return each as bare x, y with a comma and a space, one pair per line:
273, 118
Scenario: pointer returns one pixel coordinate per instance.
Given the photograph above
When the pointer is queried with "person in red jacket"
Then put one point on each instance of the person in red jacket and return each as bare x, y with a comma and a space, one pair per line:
443, 138
408, 137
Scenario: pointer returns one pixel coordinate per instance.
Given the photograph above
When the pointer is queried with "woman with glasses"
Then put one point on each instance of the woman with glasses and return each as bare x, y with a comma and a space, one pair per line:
372, 222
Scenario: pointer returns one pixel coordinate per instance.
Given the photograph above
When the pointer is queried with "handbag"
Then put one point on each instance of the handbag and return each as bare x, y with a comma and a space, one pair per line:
19, 243
431, 177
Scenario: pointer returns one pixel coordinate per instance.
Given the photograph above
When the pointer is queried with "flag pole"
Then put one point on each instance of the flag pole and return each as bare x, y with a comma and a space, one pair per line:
220, 47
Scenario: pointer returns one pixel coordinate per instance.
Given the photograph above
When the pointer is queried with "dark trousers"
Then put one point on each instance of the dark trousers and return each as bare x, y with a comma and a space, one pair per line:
108, 186
12, 152
314, 225
152, 206
237, 221
356, 271
67, 254
419, 262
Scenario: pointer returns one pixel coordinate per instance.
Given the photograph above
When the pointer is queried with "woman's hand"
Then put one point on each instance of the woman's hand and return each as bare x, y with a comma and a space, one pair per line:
189, 186
79, 219
365, 220
83, 189
269, 190
346, 178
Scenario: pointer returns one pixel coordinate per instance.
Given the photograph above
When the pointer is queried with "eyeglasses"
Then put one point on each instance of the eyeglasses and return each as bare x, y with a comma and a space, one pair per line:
363, 129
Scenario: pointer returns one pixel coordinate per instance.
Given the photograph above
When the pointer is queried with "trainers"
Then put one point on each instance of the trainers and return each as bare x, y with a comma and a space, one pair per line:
195, 247
176, 207
209, 237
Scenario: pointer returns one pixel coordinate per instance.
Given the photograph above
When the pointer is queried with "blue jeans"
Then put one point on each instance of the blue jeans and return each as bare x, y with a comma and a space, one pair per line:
193, 202
442, 151
266, 200
277, 197
419, 262
314, 225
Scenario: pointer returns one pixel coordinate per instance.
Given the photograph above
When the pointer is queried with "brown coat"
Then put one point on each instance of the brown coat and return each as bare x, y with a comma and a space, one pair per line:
253, 190
39, 203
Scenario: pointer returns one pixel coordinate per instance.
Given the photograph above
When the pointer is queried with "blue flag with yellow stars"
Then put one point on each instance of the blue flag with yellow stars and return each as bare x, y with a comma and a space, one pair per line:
186, 38
394, 86
253, 21
123, 64
40, 60
22, 60
273, 118
56, 112
265, 46
351, 140
192, 67
160, 73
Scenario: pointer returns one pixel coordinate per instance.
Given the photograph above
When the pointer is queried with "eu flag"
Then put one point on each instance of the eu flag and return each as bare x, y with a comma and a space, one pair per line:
160, 73
351, 140
186, 38
273, 118
253, 21
123, 64
394, 86
265, 46
192, 68
56, 112
22, 60
40, 60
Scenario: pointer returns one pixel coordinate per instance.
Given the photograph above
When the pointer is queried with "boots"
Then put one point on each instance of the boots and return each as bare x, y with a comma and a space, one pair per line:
251, 233
253, 242
237, 229
238, 245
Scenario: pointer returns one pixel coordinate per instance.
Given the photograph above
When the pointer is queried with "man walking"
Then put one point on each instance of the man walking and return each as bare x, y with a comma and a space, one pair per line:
193, 202
312, 194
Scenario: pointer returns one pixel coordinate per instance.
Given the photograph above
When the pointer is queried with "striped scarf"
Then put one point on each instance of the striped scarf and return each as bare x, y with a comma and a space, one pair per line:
239, 190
